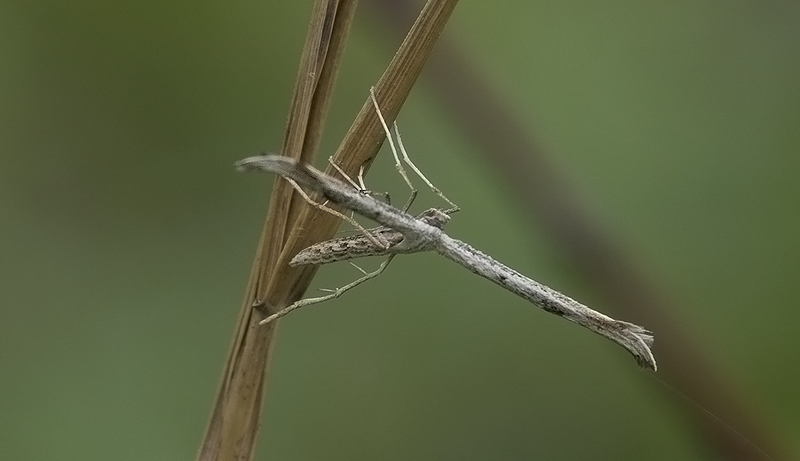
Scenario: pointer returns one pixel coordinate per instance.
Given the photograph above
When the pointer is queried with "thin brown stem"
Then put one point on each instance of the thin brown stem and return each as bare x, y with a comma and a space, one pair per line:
291, 223
233, 427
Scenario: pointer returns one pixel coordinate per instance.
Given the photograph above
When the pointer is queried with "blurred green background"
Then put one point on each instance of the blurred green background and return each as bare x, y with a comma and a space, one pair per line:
127, 238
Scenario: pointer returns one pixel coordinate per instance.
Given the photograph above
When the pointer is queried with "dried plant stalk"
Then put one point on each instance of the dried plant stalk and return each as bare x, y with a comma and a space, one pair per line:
365, 136
233, 427
291, 224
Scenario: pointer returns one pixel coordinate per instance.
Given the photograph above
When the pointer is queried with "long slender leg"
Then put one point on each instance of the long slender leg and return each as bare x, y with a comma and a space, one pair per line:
435, 189
330, 210
367, 275
361, 187
334, 294
385, 195
407, 159
357, 187
397, 164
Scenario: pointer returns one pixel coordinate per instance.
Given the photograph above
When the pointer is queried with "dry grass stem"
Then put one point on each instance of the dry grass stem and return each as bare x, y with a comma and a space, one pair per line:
291, 223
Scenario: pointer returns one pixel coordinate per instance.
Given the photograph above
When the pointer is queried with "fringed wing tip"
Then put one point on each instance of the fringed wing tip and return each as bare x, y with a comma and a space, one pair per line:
642, 350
